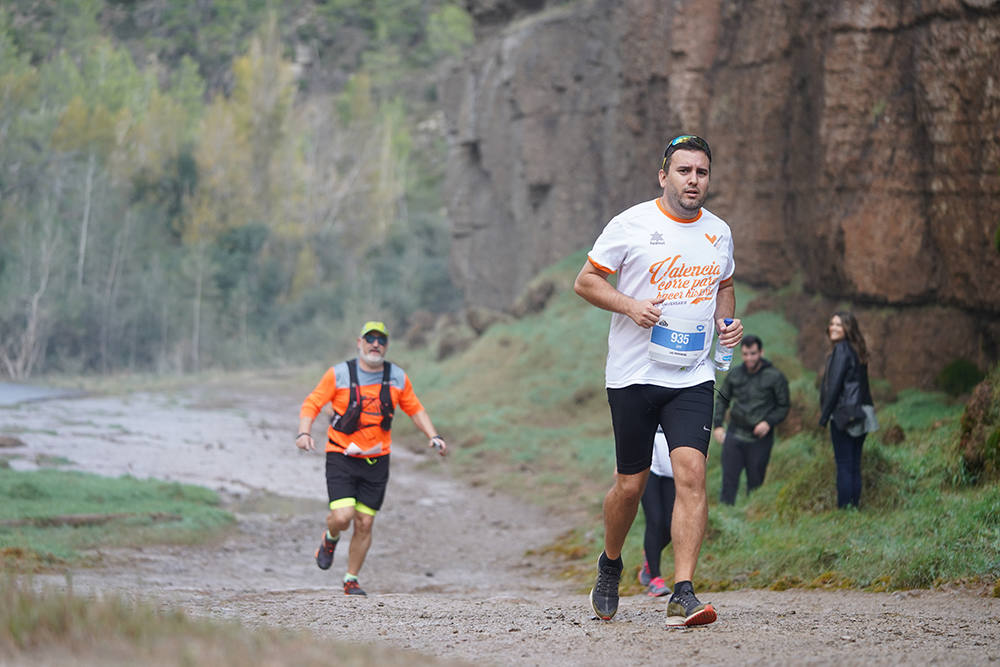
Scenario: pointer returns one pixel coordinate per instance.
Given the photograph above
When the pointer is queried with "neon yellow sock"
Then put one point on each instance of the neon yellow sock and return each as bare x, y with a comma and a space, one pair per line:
332, 538
350, 577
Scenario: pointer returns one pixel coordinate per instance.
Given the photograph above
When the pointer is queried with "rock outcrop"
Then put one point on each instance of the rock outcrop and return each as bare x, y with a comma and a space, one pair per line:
856, 151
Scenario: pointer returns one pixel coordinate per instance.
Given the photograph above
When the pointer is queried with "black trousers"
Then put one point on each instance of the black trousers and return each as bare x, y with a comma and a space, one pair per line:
658, 506
739, 455
847, 455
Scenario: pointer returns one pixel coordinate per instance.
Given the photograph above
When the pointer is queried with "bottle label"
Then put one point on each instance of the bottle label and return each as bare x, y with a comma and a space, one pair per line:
678, 342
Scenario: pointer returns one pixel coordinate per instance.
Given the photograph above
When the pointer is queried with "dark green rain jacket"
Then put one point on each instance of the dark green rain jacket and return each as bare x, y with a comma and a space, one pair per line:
752, 398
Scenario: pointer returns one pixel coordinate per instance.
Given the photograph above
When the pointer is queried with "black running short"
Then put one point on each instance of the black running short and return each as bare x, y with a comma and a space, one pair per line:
362, 480
636, 410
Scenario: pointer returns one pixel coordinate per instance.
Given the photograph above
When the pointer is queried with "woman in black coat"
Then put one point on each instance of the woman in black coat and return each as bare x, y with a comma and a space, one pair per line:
843, 391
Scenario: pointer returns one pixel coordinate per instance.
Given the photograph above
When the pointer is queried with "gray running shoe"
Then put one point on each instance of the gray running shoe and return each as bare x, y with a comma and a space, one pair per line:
604, 594
657, 588
324, 555
644, 574
685, 610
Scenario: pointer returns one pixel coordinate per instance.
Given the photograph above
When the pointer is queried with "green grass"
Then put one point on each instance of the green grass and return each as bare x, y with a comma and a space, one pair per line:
527, 395
913, 531
526, 411
35, 507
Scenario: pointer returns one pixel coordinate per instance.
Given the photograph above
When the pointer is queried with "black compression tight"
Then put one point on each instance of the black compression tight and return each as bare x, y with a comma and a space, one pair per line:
658, 506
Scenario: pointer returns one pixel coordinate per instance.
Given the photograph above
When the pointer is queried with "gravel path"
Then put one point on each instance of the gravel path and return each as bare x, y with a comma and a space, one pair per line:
447, 575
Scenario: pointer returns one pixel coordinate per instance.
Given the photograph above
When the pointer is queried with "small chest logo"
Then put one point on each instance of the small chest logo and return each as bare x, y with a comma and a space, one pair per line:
656, 238
711, 239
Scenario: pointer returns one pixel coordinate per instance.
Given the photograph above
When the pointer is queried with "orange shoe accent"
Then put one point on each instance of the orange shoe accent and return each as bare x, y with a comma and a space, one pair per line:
351, 587
703, 617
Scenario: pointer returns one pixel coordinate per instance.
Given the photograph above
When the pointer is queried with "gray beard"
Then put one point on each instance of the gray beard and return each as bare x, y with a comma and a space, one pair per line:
373, 358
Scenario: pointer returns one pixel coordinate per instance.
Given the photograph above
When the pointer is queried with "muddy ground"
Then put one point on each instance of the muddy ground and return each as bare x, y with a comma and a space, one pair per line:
449, 574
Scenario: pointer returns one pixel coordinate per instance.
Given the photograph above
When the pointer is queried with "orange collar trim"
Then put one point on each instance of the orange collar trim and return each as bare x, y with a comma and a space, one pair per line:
684, 221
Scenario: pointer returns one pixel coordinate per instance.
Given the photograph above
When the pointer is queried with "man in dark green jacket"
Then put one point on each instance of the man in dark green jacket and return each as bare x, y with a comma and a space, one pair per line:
757, 394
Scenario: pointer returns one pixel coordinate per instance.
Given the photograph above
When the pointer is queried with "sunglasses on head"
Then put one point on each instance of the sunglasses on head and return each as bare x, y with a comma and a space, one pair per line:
372, 338
685, 141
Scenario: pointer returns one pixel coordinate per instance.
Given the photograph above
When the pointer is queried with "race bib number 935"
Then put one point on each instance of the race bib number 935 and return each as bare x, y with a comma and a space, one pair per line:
681, 341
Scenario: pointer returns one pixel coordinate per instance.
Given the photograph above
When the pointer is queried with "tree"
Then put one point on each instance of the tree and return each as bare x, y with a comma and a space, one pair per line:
24, 325
141, 226
262, 99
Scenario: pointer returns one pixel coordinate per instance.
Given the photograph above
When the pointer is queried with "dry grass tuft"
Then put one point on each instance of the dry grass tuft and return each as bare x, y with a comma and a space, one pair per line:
42, 626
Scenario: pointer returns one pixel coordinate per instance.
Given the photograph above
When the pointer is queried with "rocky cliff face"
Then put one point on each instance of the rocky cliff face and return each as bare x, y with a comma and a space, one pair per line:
856, 151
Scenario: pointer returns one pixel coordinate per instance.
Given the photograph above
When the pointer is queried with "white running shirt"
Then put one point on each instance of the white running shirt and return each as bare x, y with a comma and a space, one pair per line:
658, 256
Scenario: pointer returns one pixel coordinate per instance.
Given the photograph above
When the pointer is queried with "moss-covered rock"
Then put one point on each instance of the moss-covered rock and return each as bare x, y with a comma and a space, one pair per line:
979, 437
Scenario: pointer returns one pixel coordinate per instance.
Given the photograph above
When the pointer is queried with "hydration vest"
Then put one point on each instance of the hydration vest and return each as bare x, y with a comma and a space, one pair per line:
348, 422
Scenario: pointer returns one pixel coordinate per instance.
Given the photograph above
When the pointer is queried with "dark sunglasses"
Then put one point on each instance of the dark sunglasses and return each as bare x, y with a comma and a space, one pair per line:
371, 339
685, 141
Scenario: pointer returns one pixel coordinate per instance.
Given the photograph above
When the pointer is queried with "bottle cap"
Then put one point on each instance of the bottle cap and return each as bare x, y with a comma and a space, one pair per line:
728, 321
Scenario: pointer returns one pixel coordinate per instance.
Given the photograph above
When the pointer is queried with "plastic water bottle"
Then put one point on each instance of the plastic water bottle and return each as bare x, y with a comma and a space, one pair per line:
723, 354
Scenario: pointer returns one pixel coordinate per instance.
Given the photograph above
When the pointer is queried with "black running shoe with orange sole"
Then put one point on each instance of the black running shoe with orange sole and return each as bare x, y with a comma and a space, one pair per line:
685, 610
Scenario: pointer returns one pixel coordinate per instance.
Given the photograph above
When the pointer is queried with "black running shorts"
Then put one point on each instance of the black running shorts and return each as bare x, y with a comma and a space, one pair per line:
363, 479
636, 410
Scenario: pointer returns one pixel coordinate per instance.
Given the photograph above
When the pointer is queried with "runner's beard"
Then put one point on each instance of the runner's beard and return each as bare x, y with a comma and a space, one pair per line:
692, 205
372, 358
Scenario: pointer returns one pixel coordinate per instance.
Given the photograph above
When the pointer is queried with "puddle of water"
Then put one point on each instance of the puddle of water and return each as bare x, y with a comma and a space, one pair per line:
14, 393
239, 449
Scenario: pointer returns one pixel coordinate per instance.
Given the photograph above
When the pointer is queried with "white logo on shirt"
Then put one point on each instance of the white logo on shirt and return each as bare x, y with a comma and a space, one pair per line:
656, 238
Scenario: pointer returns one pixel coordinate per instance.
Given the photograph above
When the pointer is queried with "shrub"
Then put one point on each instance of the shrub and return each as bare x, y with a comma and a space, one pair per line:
959, 377
885, 485
979, 435
811, 486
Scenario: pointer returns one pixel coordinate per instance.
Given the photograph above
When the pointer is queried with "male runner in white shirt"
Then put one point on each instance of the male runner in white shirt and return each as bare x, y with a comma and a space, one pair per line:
674, 261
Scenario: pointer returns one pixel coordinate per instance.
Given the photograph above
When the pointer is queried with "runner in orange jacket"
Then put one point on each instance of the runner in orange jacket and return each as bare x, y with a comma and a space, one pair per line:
357, 454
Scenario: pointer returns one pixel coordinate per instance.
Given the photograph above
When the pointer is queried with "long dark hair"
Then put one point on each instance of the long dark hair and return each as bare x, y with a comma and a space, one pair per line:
853, 335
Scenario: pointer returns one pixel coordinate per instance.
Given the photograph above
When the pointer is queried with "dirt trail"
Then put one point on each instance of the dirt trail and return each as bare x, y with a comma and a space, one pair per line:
447, 574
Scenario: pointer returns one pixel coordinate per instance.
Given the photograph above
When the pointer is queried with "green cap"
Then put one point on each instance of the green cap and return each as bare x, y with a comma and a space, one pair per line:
373, 325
